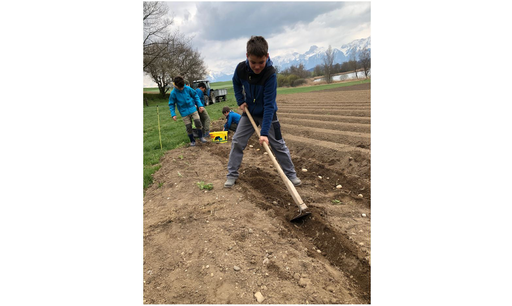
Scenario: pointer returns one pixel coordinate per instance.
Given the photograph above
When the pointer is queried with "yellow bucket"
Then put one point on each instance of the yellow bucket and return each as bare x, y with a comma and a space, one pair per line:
220, 137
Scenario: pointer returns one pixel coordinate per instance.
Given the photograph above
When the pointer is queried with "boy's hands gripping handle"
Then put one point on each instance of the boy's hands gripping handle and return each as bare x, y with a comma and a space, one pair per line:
289, 185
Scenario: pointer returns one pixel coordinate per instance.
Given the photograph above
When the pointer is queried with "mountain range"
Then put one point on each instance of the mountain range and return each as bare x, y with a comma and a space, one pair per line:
314, 56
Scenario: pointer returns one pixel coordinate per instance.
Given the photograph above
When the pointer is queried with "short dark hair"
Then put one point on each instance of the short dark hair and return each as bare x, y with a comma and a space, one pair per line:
179, 81
257, 46
225, 109
202, 85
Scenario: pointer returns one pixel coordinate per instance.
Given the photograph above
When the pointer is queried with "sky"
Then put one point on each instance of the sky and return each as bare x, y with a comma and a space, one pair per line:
220, 30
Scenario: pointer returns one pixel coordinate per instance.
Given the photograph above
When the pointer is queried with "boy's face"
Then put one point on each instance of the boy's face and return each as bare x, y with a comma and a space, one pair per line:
225, 114
256, 63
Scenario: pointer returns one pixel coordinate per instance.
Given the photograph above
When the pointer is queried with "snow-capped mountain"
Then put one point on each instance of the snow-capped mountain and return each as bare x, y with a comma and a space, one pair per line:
219, 77
314, 56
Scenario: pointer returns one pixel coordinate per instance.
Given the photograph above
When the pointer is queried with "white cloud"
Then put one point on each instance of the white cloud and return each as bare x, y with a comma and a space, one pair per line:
220, 30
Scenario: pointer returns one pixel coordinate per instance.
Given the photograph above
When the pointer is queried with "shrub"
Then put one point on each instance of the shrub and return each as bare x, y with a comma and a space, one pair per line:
281, 80
298, 82
291, 78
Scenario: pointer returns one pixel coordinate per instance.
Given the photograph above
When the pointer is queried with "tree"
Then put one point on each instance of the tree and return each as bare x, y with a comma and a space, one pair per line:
328, 63
353, 62
365, 60
167, 55
155, 30
177, 58
319, 70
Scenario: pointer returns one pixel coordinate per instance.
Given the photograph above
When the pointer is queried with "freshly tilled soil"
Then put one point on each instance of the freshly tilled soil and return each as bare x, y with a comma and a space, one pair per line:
193, 238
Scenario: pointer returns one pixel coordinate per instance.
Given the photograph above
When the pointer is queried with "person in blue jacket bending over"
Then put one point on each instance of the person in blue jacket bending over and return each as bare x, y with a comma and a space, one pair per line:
257, 77
232, 119
185, 98
205, 118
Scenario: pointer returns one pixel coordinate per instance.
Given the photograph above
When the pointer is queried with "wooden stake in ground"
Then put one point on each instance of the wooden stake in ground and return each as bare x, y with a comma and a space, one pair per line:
159, 135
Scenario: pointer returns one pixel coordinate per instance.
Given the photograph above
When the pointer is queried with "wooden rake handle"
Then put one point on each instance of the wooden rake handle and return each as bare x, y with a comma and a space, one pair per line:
289, 185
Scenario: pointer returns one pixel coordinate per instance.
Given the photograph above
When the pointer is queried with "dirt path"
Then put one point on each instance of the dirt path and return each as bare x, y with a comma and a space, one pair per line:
225, 245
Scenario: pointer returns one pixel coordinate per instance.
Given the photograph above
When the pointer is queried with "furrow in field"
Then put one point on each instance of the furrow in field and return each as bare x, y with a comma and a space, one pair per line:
314, 108
331, 125
355, 139
321, 103
358, 113
347, 119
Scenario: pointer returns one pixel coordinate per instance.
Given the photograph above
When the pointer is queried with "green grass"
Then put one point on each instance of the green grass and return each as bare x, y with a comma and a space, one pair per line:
151, 90
291, 90
174, 134
222, 85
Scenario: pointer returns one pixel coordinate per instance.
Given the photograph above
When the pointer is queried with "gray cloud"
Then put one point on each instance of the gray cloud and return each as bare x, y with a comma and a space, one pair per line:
219, 30
232, 20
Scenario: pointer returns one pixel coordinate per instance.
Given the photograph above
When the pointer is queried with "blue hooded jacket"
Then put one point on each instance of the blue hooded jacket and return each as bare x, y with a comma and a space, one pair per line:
186, 101
200, 94
232, 118
260, 91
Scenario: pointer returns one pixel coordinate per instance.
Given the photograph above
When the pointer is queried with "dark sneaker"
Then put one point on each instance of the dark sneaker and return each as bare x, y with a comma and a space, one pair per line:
229, 182
296, 181
193, 144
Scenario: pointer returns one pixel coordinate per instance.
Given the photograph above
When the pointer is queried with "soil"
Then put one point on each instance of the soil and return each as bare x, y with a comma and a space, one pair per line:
227, 246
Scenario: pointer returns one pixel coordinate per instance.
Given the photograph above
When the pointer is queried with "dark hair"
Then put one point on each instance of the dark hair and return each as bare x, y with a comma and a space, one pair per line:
225, 109
257, 46
179, 81
202, 85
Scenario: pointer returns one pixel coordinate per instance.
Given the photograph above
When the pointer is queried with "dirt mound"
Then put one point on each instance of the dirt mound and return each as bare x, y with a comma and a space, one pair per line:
225, 245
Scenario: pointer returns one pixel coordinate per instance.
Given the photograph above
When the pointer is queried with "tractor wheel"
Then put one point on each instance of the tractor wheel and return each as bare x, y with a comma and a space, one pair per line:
206, 100
213, 98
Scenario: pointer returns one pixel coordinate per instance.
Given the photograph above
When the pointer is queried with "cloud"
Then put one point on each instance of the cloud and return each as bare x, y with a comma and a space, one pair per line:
220, 30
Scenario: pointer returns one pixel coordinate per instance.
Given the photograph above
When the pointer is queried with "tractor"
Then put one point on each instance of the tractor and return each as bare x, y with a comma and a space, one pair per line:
212, 95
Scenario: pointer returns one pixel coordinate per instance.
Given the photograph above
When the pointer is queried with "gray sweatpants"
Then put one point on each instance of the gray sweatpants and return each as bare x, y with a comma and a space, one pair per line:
244, 131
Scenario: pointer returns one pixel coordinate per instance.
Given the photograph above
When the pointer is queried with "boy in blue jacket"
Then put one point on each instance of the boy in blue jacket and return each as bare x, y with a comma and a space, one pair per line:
205, 118
257, 77
232, 119
186, 99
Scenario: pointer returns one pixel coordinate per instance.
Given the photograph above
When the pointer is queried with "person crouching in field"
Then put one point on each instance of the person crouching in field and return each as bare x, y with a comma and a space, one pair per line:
257, 76
186, 99
205, 118
232, 119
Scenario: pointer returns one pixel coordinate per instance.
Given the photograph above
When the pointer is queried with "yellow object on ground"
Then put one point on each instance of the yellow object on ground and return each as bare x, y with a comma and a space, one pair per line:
220, 137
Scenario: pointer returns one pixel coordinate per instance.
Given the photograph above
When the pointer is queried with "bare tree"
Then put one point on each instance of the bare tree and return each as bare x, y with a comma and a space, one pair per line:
353, 62
365, 59
156, 26
328, 63
319, 70
177, 58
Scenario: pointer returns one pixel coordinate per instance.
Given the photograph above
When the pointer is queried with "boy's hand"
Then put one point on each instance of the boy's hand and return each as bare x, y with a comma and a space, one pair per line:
174, 118
263, 139
243, 106
201, 109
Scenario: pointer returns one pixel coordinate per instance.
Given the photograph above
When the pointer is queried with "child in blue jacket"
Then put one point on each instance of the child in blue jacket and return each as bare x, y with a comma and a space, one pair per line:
205, 118
186, 99
257, 77
232, 119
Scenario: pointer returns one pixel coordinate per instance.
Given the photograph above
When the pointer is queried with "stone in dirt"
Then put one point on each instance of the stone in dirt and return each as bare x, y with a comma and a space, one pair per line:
303, 282
236, 268
259, 297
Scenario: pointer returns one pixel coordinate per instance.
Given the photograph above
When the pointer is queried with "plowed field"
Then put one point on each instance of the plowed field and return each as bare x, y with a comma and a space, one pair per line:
223, 246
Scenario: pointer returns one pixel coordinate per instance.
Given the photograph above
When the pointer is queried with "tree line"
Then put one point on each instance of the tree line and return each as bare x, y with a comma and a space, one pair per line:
167, 54
296, 75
